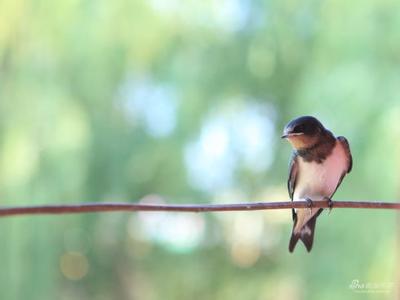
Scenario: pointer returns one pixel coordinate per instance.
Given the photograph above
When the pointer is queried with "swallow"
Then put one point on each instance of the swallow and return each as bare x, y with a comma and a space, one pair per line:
317, 167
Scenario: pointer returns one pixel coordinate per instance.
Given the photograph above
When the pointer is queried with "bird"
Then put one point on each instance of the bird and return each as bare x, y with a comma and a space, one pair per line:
318, 164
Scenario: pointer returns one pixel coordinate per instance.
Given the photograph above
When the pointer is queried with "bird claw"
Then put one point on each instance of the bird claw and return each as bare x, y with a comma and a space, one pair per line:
330, 203
309, 204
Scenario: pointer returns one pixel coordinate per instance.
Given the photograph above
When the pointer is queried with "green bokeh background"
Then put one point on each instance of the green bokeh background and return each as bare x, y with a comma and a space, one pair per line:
184, 102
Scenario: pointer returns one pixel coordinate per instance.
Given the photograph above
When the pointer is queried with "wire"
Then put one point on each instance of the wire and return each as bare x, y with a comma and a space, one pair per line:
112, 207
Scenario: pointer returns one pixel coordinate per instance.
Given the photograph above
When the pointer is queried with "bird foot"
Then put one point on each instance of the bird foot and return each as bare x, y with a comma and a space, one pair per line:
309, 205
330, 203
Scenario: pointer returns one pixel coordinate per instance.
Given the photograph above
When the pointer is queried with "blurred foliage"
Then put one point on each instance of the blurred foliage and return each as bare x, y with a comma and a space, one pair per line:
184, 102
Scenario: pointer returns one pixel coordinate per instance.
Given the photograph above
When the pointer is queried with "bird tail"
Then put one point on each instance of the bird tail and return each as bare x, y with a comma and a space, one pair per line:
305, 234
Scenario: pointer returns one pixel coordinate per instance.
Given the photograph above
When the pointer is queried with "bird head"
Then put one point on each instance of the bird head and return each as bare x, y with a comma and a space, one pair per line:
303, 132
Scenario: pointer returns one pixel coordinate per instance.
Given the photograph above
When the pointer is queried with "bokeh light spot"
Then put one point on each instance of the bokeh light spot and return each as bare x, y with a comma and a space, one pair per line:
74, 265
245, 255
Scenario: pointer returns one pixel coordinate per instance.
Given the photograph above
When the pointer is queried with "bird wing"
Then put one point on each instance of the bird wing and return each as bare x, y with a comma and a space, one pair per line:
345, 144
306, 232
291, 183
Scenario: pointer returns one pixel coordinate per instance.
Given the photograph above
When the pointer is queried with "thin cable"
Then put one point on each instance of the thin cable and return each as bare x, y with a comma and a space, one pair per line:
132, 207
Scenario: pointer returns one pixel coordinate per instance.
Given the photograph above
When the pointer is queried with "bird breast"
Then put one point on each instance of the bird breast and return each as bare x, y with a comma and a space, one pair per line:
318, 180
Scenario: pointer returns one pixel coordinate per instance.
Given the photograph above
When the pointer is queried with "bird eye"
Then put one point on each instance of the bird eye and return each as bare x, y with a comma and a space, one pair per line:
298, 128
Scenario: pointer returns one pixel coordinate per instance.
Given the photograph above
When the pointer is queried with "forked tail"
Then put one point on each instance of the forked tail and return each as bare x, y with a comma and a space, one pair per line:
306, 234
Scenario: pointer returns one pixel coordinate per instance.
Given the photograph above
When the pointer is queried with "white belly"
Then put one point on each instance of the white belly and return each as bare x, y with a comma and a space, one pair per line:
316, 181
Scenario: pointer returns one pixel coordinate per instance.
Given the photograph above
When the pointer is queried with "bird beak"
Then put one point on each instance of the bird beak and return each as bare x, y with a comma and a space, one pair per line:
290, 134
